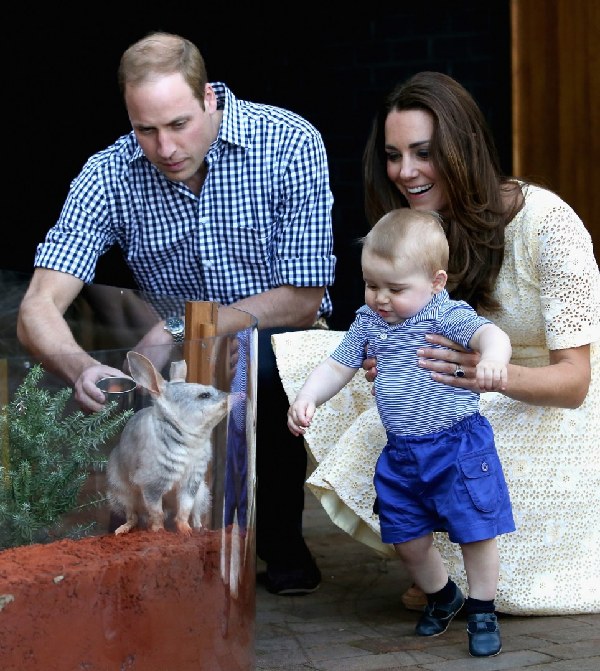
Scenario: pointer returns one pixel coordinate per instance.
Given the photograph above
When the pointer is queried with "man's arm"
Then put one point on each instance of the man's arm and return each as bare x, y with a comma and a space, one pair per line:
296, 307
43, 331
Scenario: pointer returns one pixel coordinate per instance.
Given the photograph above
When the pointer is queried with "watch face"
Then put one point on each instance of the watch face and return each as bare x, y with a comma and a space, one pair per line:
174, 325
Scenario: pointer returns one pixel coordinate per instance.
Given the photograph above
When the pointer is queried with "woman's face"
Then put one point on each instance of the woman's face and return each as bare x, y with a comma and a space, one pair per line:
407, 140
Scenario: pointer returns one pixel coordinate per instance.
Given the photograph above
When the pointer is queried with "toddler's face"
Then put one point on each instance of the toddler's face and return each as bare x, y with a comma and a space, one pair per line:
395, 293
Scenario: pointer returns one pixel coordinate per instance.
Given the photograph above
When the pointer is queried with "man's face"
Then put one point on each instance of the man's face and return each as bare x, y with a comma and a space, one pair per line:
173, 130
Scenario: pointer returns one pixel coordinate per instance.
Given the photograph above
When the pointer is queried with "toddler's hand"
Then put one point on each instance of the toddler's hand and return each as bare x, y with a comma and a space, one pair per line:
491, 375
300, 415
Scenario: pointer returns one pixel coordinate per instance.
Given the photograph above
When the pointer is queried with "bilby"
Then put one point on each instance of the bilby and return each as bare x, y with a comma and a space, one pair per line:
159, 465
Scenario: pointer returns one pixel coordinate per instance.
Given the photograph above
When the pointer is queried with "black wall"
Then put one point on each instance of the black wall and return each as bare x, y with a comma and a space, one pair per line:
332, 66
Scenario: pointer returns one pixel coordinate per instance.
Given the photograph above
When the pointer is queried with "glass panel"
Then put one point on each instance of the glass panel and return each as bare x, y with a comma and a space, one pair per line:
75, 593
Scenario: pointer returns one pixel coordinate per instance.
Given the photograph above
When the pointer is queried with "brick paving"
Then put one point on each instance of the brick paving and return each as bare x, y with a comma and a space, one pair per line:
356, 622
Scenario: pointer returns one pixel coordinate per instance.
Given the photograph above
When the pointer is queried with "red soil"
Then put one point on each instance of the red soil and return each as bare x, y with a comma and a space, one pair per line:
139, 602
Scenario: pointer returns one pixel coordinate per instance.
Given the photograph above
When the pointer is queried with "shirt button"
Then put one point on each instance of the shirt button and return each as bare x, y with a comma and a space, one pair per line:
208, 264
383, 336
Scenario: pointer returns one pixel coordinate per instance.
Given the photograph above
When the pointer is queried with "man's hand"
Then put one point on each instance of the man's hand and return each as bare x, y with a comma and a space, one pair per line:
156, 345
87, 394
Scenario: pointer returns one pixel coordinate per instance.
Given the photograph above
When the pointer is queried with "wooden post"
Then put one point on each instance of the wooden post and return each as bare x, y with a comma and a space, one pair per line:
200, 322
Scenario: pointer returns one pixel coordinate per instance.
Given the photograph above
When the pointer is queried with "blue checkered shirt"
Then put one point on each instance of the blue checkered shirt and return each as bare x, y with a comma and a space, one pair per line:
262, 219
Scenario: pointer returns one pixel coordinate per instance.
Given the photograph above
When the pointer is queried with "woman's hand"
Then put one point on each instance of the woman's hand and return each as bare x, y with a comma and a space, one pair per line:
370, 366
446, 365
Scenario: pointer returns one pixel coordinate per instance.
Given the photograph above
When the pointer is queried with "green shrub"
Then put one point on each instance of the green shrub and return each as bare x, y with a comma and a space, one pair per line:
46, 458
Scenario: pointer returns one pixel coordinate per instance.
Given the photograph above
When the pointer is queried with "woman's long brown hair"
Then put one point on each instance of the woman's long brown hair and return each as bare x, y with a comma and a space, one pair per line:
465, 157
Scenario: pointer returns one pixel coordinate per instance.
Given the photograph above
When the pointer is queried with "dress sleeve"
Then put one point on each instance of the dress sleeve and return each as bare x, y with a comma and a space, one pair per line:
568, 272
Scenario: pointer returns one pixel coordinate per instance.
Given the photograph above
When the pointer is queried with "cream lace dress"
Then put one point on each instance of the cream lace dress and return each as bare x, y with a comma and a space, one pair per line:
549, 287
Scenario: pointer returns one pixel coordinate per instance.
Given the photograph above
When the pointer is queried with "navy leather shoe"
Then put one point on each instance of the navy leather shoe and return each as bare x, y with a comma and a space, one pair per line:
287, 581
437, 617
484, 635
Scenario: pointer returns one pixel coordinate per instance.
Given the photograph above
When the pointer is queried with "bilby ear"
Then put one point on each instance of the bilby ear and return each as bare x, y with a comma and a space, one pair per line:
439, 281
144, 373
178, 371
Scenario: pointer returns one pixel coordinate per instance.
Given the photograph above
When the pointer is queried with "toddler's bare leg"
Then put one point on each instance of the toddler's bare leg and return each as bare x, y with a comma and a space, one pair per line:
424, 563
482, 566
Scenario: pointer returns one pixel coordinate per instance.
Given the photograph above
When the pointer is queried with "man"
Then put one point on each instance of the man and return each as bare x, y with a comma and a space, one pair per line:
210, 198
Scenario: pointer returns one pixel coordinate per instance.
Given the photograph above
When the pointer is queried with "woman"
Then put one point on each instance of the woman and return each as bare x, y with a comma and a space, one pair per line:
522, 257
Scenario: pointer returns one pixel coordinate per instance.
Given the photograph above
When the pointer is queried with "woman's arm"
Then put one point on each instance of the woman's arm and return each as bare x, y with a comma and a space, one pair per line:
564, 383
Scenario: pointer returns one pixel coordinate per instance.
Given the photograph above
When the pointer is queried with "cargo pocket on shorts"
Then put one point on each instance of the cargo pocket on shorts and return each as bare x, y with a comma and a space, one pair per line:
479, 475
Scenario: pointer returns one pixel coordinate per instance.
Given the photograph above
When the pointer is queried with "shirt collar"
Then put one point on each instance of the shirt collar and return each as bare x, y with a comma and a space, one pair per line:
426, 312
137, 151
233, 129
432, 307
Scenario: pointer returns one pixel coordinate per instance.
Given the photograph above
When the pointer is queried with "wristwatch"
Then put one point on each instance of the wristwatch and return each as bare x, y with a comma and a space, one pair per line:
176, 327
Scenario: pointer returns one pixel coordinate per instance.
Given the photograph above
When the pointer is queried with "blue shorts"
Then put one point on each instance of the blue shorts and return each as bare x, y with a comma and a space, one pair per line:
451, 480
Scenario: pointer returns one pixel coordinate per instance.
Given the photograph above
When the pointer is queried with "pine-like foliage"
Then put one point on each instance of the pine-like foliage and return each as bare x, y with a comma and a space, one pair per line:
46, 457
